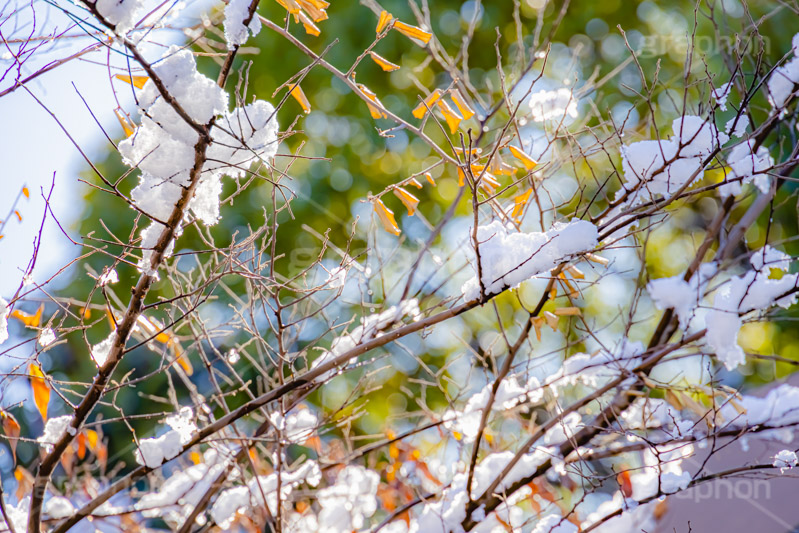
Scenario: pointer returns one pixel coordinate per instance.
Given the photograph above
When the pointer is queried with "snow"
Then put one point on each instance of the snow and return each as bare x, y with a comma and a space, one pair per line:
99, 352
785, 460
751, 291
781, 84
663, 167
749, 166
740, 126
122, 14
349, 502
163, 145
370, 326
508, 257
46, 337
509, 394
336, 278
554, 524
778, 409
58, 507
296, 427
236, 32
662, 472
54, 429
18, 515
680, 295
108, 277
553, 105
721, 94
153, 452
4, 312
240, 498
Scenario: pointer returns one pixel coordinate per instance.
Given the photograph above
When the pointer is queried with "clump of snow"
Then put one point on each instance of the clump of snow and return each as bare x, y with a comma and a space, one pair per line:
749, 166
350, 501
46, 337
553, 523
54, 429
100, 351
509, 394
108, 277
154, 451
596, 370
553, 105
782, 81
663, 167
4, 312
785, 460
239, 499
370, 326
163, 145
662, 471
18, 514
778, 409
58, 507
336, 278
509, 257
122, 14
236, 32
296, 427
680, 295
740, 122
754, 290
720, 95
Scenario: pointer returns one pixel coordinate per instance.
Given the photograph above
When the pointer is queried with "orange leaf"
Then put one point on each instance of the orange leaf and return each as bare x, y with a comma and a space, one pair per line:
315, 8
298, 95
124, 121
407, 198
430, 179
421, 110
290, 5
385, 18
31, 321
310, 27
41, 389
528, 162
488, 182
19, 217
374, 110
136, 81
26, 192
413, 32
461, 104
519, 202
386, 216
24, 482
12, 430
452, 117
415, 183
384, 63
81, 446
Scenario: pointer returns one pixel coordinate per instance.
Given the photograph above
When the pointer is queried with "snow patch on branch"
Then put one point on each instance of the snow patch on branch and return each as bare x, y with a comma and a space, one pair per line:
236, 33
508, 257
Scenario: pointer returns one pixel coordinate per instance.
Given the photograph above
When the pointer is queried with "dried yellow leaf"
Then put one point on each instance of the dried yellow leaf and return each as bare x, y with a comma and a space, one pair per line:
552, 320
384, 63
290, 5
421, 110
41, 389
519, 202
597, 259
298, 95
383, 21
568, 311
18, 215
465, 109
528, 162
386, 216
538, 322
489, 183
136, 81
374, 109
415, 183
308, 23
575, 272
408, 199
413, 32
124, 121
12, 430
452, 117
430, 179
31, 321
315, 8
26, 192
